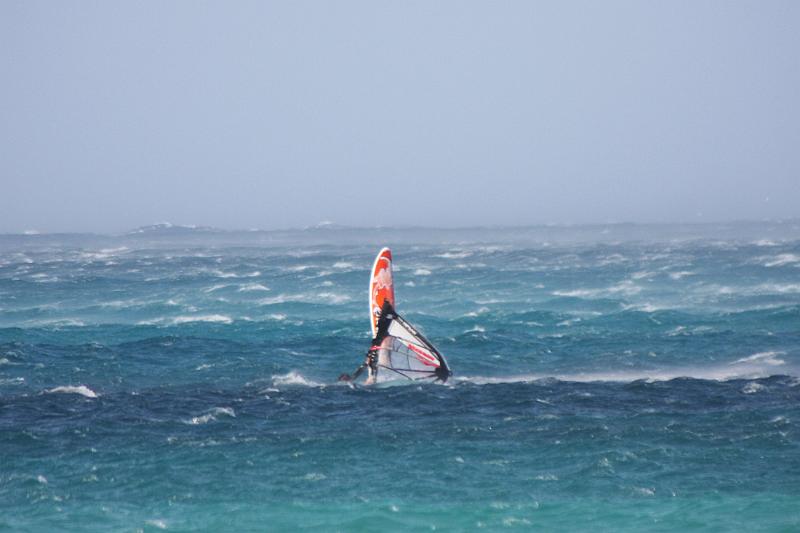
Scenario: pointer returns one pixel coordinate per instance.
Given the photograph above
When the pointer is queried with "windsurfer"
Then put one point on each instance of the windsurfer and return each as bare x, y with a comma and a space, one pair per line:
370, 364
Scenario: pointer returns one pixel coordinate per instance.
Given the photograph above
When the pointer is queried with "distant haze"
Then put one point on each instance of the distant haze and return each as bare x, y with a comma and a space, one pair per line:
284, 114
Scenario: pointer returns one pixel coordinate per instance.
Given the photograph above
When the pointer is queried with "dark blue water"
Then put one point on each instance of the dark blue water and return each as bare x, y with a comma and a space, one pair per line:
621, 378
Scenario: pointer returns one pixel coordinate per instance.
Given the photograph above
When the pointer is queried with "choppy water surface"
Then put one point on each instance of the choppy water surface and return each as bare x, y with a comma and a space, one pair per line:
618, 378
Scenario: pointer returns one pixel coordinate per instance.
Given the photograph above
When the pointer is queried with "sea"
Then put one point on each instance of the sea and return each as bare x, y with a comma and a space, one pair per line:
611, 377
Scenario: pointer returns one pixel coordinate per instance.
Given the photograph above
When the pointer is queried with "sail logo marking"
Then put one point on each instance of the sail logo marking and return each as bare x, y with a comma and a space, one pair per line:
424, 357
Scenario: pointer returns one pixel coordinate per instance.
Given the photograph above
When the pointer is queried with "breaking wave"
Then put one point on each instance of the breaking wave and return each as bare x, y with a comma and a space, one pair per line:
211, 416
294, 378
716, 373
83, 390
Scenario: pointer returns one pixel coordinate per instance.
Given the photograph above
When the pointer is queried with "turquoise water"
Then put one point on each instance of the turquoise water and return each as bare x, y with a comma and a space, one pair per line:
619, 378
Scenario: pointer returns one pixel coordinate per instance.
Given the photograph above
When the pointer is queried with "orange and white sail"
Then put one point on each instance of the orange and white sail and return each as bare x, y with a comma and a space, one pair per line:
381, 286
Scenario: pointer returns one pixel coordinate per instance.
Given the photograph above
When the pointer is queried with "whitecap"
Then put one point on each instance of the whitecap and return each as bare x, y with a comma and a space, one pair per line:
513, 521
680, 274
780, 288
422, 272
83, 390
253, 287
752, 388
225, 275
293, 378
715, 373
157, 523
220, 319
626, 288
455, 254
769, 358
781, 260
643, 307
211, 416
215, 287
333, 298
324, 297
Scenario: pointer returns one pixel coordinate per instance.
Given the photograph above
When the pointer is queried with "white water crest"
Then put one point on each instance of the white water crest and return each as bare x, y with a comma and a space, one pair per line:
768, 358
294, 378
250, 287
626, 288
780, 260
331, 298
212, 415
753, 370
83, 390
221, 319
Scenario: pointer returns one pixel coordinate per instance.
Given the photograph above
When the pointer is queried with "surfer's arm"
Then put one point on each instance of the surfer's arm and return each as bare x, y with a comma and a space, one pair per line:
359, 370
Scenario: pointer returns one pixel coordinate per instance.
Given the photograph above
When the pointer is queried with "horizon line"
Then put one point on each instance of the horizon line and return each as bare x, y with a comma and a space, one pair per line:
329, 226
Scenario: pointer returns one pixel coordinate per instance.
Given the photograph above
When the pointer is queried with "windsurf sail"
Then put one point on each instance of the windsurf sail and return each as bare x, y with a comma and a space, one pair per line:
381, 286
404, 352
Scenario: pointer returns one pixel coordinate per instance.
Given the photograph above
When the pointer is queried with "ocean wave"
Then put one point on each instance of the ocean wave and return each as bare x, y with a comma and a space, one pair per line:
769, 358
83, 390
250, 287
221, 319
625, 288
752, 388
331, 298
104, 253
780, 260
294, 378
779, 288
462, 254
717, 373
211, 416
216, 287
57, 323
227, 275
644, 307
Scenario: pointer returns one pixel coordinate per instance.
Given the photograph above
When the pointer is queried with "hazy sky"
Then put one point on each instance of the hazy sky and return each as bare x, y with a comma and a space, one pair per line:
285, 114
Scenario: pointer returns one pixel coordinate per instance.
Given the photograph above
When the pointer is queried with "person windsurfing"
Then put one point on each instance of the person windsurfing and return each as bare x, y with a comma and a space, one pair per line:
371, 359
399, 351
